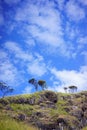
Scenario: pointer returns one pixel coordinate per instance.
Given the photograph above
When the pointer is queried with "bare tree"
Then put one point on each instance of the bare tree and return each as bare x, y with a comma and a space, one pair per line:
5, 89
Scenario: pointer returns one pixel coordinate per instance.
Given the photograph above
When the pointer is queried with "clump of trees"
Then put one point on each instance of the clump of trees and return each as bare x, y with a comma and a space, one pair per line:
41, 83
71, 89
5, 89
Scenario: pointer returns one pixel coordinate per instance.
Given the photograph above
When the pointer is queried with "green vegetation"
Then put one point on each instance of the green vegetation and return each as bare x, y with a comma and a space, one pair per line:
44, 108
61, 107
24, 108
7, 123
85, 128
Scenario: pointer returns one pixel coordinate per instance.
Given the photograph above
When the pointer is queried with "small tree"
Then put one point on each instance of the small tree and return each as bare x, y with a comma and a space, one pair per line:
65, 88
5, 89
73, 88
42, 83
34, 82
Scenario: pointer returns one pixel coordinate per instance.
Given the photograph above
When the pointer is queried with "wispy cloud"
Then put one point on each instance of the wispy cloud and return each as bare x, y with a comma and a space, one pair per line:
37, 68
82, 40
37, 33
44, 25
39, 26
71, 31
8, 72
84, 53
15, 49
74, 11
84, 2
34, 63
70, 77
82, 44
27, 90
60, 4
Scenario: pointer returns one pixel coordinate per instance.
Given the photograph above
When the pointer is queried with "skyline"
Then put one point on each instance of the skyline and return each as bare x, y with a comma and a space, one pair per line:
43, 39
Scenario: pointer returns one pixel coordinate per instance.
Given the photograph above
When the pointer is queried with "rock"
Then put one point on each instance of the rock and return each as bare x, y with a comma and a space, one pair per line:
21, 117
4, 101
31, 101
9, 108
50, 105
78, 113
51, 96
84, 107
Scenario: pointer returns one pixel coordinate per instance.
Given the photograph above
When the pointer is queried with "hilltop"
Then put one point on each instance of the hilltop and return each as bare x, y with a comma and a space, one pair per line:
46, 110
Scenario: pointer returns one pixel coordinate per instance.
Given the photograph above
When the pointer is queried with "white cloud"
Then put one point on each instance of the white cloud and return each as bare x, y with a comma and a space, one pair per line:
56, 87
71, 31
34, 63
84, 53
27, 90
15, 49
60, 3
44, 25
71, 77
37, 68
3, 55
74, 11
9, 73
82, 40
30, 42
84, 2
49, 32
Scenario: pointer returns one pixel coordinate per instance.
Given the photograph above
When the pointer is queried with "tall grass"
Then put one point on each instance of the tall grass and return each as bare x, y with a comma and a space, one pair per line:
85, 128
7, 123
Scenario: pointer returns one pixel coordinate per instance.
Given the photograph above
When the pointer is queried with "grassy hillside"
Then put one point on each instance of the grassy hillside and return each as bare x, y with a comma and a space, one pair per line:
46, 110
7, 123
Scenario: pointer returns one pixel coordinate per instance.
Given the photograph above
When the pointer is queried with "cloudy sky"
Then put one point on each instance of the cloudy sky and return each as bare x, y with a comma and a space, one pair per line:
44, 39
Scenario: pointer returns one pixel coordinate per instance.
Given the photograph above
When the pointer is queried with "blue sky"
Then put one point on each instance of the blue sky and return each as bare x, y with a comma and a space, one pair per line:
44, 39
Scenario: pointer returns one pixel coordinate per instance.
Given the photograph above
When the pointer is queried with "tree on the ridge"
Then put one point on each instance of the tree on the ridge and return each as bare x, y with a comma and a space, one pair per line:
65, 88
34, 82
42, 83
5, 89
73, 88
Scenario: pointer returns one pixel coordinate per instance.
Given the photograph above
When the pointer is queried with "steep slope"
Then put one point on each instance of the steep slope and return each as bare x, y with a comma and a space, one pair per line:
46, 110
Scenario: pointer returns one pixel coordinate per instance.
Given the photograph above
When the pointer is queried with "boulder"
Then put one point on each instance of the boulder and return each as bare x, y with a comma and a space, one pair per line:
21, 117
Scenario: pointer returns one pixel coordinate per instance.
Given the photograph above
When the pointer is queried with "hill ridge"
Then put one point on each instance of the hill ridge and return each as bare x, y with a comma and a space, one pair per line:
48, 110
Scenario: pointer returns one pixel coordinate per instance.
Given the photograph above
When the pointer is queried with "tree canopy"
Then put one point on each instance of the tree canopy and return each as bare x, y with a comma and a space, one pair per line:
73, 88
34, 82
41, 83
